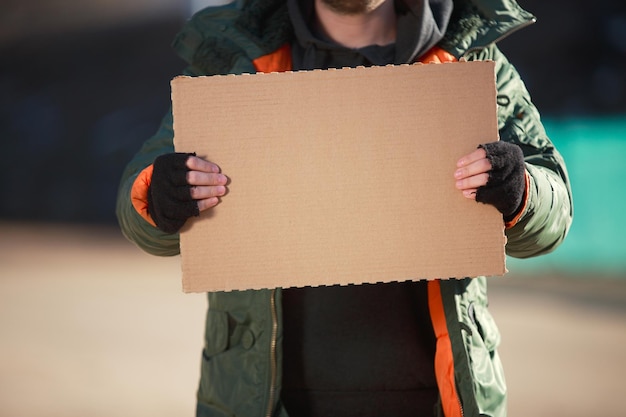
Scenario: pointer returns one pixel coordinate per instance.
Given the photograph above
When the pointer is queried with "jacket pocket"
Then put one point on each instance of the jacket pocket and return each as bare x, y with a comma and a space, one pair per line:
481, 340
204, 409
216, 334
210, 395
486, 326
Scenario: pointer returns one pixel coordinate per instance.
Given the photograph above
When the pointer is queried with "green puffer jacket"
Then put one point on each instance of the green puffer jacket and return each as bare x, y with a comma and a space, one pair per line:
241, 366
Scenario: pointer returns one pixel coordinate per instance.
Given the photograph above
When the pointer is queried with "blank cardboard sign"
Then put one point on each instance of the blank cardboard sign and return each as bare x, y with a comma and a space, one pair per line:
339, 176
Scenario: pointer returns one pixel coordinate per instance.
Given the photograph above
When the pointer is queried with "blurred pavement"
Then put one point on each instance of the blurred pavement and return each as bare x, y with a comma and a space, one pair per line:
91, 326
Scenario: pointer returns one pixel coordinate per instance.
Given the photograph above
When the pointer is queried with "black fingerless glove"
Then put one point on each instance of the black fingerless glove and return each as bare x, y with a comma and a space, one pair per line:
169, 197
507, 183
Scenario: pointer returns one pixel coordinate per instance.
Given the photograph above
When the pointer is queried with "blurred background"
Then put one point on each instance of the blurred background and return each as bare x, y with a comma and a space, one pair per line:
89, 325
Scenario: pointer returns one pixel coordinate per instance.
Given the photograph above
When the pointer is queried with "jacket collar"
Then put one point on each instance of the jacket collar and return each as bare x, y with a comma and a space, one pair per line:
263, 25
475, 24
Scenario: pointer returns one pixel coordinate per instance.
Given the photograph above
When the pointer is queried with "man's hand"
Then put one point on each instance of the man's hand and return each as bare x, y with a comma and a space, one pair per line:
182, 186
495, 174
472, 172
206, 181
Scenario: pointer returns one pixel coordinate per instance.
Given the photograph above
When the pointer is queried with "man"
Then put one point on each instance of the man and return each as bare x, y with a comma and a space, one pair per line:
399, 349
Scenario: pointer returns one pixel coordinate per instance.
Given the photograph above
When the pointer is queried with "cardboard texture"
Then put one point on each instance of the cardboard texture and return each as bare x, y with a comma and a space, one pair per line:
339, 176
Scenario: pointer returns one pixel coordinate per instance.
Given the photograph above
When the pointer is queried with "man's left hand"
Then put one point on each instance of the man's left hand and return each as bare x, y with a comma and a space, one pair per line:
494, 174
472, 172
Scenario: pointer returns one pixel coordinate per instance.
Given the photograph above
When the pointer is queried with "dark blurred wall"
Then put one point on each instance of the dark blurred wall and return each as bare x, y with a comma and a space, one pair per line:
74, 108
573, 59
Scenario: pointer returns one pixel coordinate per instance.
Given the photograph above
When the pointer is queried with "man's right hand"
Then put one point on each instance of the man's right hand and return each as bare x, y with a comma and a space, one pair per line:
182, 186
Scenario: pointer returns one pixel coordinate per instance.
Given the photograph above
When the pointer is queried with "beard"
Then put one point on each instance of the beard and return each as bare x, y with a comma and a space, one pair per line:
352, 7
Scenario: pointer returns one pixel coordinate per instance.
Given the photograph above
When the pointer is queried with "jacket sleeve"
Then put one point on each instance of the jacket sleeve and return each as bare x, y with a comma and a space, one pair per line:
547, 215
133, 225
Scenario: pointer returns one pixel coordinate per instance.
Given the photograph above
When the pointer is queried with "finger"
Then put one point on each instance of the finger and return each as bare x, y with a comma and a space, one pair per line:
205, 178
195, 163
471, 193
472, 182
480, 166
471, 157
203, 192
207, 203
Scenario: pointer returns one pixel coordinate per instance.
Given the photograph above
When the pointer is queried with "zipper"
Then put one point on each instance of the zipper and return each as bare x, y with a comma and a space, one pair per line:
273, 359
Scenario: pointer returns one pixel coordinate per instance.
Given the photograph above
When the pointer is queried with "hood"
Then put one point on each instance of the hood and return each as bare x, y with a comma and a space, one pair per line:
421, 25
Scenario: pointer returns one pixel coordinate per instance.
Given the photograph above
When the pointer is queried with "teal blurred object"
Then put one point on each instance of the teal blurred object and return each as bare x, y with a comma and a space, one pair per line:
595, 153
